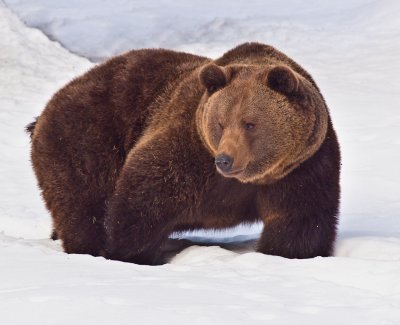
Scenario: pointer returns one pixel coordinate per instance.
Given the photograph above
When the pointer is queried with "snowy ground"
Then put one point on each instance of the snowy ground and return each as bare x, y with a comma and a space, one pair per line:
352, 49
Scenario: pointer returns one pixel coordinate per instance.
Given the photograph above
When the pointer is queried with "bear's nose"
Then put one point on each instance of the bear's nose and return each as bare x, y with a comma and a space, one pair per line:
224, 162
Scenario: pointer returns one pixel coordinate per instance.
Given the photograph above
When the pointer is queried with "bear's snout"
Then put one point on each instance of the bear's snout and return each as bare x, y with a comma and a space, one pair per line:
224, 163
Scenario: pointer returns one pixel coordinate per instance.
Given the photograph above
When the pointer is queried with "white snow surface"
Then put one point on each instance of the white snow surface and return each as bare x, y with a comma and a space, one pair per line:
351, 48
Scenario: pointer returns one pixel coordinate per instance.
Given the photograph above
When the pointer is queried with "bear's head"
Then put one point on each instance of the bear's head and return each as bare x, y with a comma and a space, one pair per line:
259, 122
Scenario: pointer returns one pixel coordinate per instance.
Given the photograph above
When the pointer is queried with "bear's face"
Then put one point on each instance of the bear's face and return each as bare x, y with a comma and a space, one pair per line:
259, 122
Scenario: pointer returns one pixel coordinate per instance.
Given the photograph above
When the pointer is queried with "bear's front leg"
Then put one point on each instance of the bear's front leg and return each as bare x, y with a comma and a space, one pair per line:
153, 191
300, 219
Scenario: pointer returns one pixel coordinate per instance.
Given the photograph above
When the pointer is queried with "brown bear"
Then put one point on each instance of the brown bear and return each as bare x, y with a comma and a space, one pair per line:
154, 142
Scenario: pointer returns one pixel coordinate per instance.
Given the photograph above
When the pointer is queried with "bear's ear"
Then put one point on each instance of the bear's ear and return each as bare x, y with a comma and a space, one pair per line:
285, 81
212, 77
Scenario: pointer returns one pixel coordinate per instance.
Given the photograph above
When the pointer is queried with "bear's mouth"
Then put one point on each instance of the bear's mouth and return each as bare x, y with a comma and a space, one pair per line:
231, 173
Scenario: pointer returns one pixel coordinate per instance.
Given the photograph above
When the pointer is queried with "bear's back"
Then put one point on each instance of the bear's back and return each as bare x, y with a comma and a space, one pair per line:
112, 99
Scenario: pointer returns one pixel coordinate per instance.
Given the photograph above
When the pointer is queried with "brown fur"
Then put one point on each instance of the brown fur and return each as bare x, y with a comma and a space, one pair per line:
124, 155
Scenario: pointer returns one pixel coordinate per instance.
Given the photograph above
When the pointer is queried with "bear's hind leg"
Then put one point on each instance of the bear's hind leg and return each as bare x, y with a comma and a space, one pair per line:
75, 199
81, 230
77, 221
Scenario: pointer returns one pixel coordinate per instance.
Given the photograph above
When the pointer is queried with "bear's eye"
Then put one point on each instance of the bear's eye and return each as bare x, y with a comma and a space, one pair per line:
249, 126
220, 126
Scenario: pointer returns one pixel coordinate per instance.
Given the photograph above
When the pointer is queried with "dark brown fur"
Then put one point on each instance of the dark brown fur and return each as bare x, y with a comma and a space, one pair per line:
123, 162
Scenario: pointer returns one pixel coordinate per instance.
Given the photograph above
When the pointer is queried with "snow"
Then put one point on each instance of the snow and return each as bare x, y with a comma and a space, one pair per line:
350, 47
202, 285
31, 69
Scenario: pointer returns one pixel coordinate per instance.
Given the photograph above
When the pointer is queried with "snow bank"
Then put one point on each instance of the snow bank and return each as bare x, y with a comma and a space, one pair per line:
31, 68
206, 26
